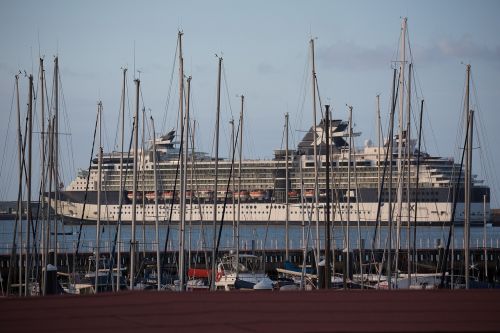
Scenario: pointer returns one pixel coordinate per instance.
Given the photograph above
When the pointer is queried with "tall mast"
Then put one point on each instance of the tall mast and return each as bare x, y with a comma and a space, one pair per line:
50, 167
185, 148
408, 171
379, 135
402, 64
143, 182
468, 181
214, 264
56, 153
287, 212
327, 213
99, 180
192, 186
157, 233
315, 150
389, 189
302, 211
181, 166
239, 181
484, 240
348, 221
42, 141
231, 153
30, 155
122, 185
134, 185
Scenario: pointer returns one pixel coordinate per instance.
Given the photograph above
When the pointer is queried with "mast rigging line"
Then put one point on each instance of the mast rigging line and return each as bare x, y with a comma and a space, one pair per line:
390, 134
271, 204
227, 90
229, 178
167, 102
86, 186
120, 208
487, 164
455, 202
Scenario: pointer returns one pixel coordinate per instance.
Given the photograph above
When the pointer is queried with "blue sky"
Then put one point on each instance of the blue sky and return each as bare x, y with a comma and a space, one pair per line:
265, 49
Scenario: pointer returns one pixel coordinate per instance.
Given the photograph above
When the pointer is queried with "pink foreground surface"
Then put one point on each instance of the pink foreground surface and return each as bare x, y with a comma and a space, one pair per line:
319, 311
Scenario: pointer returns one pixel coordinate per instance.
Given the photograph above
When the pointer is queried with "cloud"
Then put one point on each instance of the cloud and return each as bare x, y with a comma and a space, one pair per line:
466, 49
266, 68
348, 55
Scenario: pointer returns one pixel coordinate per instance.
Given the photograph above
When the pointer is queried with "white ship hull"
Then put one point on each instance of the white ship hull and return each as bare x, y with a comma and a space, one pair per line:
428, 213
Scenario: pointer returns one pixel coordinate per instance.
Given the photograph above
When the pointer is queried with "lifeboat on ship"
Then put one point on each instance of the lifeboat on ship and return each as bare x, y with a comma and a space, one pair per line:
130, 195
167, 195
150, 196
309, 193
257, 194
221, 195
242, 195
205, 194
293, 194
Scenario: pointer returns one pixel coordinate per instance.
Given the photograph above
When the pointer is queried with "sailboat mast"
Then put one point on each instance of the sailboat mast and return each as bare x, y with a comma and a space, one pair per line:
287, 212
143, 182
99, 180
390, 146
122, 185
327, 213
185, 148
216, 166
468, 167
157, 233
239, 181
468, 194
181, 167
42, 145
134, 185
348, 220
402, 64
484, 240
408, 172
315, 150
29, 171
50, 167
231, 153
56, 154
379, 135
192, 191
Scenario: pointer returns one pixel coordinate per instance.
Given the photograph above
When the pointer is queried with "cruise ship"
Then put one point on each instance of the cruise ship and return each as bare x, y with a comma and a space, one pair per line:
360, 189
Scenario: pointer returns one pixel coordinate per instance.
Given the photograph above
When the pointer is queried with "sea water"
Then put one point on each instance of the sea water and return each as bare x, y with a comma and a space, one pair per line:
200, 236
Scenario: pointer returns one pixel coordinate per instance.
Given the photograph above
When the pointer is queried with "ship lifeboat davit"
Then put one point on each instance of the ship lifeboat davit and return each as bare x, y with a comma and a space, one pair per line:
257, 194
